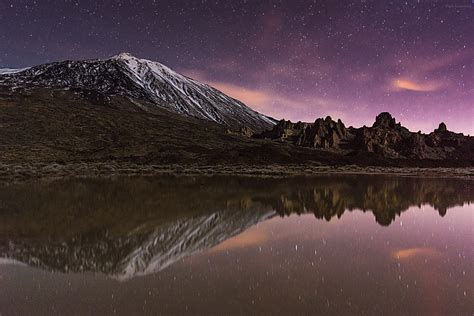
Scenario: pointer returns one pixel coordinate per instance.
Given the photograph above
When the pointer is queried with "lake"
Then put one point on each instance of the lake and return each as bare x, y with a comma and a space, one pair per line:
340, 245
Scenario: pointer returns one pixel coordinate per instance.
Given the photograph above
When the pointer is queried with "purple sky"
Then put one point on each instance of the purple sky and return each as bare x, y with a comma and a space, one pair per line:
297, 60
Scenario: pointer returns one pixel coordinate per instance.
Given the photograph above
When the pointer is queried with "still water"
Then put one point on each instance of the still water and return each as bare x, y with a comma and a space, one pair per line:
339, 245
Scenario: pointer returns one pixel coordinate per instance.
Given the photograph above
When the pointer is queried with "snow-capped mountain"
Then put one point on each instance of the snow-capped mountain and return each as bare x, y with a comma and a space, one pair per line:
141, 80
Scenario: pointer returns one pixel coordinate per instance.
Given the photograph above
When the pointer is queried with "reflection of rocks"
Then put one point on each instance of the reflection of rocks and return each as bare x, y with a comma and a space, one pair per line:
384, 197
130, 227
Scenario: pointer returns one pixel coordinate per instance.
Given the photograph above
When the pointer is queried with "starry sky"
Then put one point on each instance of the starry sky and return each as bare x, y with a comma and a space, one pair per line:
292, 59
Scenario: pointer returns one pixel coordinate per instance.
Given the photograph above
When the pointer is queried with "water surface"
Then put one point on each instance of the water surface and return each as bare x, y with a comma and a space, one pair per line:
342, 245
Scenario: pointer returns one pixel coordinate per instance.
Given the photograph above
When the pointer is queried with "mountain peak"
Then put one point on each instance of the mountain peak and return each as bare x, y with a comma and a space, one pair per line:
441, 128
128, 58
124, 55
140, 66
384, 119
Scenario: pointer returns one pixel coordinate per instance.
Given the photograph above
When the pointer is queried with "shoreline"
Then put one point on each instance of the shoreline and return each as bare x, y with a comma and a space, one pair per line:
12, 173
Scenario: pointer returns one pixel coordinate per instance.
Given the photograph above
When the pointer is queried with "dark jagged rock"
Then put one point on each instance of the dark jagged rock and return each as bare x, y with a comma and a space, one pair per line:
243, 131
246, 131
323, 133
385, 120
441, 128
285, 131
386, 138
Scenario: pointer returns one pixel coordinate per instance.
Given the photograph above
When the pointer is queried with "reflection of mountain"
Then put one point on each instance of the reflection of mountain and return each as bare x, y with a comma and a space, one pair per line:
135, 253
130, 227
173, 241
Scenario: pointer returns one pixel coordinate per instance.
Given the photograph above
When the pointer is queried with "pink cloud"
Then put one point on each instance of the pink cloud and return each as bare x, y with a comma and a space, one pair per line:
253, 97
399, 84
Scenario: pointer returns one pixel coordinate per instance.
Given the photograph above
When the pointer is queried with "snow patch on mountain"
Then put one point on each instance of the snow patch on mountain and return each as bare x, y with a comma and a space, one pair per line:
188, 96
6, 71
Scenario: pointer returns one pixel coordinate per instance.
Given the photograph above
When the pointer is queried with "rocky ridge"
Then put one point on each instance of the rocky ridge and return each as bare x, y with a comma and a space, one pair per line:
385, 138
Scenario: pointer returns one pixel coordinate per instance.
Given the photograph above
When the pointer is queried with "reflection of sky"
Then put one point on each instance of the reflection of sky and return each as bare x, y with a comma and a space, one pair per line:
421, 259
421, 263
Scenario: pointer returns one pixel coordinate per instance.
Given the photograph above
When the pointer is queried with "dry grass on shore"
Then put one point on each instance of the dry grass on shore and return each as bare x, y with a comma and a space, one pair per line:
32, 171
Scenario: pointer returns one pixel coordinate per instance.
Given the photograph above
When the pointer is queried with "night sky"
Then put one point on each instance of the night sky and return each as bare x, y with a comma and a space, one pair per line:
293, 59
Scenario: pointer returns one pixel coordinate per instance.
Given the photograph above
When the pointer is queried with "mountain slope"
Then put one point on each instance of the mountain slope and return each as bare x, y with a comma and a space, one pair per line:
142, 80
42, 125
